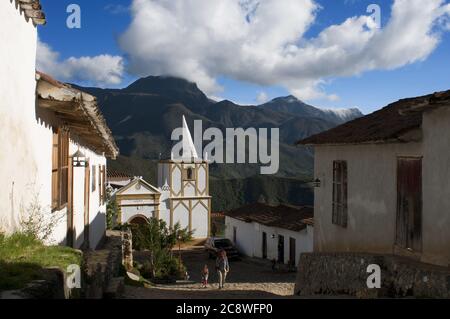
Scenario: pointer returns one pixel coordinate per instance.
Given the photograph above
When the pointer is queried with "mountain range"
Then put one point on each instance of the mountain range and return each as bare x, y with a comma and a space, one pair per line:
143, 115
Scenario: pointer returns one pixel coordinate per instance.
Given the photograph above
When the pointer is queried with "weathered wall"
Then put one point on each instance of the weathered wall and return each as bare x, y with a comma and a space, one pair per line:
346, 274
372, 197
436, 187
249, 239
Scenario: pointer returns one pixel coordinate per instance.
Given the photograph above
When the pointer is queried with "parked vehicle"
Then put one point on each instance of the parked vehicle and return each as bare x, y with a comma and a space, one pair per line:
214, 244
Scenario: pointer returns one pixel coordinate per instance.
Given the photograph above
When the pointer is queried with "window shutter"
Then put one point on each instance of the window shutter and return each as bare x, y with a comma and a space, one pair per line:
55, 171
64, 166
94, 176
103, 184
344, 195
339, 204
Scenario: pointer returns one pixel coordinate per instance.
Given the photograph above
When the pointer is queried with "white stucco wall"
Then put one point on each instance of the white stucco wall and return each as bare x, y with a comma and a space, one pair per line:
184, 191
19, 128
249, 239
200, 220
97, 212
26, 138
372, 197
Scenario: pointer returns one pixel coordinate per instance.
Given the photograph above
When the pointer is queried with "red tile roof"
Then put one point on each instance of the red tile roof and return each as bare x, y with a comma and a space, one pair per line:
385, 125
283, 216
113, 174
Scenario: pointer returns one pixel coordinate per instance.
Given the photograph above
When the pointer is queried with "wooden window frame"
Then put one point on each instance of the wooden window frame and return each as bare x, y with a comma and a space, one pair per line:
101, 184
340, 194
94, 178
60, 169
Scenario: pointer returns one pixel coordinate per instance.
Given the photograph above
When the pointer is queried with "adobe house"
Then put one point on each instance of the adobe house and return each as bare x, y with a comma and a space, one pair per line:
54, 140
383, 182
280, 232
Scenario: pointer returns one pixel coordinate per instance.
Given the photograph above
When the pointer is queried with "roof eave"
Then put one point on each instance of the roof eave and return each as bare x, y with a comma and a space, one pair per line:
69, 103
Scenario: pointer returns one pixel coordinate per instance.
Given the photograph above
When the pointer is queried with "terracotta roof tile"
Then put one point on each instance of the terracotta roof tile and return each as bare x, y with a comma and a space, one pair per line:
385, 125
32, 10
283, 216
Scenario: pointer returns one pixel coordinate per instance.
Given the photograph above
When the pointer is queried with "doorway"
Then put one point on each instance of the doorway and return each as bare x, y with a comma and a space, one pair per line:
409, 204
281, 249
87, 184
292, 250
264, 245
70, 228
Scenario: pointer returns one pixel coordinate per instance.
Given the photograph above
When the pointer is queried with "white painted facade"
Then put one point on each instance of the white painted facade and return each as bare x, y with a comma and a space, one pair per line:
249, 239
19, 127
185, 199
180, 197
26, 132
372, 193
137, 199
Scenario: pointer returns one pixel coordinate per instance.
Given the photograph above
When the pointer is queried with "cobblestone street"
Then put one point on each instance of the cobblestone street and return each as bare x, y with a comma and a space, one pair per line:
248, 278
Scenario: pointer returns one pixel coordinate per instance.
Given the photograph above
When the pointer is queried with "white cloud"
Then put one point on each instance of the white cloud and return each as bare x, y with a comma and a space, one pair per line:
262, 97
101, 70
262, 42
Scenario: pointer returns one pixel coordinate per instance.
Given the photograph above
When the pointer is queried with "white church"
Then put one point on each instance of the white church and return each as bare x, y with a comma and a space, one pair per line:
182, 195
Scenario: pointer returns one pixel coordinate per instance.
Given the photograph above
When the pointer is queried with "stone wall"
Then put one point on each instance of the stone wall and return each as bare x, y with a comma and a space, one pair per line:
346, 274
127, 249
102, 266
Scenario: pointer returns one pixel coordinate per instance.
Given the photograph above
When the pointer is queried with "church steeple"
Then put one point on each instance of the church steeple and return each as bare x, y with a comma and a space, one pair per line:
189, 151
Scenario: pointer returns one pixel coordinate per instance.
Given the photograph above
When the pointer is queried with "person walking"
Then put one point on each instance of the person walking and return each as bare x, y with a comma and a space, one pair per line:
205, 275
222, 267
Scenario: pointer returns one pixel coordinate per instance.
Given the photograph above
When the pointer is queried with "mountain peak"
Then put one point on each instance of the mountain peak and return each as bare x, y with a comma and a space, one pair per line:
286, 99
177, 89
156, 83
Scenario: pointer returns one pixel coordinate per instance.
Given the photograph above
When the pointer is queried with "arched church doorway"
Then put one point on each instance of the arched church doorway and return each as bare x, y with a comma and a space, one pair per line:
138, 220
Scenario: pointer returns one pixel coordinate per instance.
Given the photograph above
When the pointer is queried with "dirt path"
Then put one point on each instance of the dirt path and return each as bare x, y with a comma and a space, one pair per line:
247, 279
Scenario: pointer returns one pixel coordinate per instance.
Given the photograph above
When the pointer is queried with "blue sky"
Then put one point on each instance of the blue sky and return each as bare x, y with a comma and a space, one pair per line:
103, 22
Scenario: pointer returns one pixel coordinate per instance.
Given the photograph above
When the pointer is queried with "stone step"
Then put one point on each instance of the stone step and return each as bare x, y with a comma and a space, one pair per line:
115, 288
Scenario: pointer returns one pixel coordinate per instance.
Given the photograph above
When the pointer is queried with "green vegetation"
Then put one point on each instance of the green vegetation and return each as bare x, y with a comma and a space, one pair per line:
160, 241
112, 211
23, 258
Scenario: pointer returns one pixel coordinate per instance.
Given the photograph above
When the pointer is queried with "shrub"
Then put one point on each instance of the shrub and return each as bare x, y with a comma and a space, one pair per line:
159, 240
112, 211
39, 222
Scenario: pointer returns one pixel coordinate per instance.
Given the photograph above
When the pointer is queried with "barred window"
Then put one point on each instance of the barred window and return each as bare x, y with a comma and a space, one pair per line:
340, 213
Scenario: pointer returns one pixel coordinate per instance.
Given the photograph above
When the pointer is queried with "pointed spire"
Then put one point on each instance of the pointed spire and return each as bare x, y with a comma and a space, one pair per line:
189, 151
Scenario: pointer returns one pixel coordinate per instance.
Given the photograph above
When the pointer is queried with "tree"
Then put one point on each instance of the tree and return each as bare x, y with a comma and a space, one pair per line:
159, 240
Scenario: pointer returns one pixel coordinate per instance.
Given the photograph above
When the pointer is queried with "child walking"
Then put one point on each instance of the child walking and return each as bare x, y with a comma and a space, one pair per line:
205, 275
